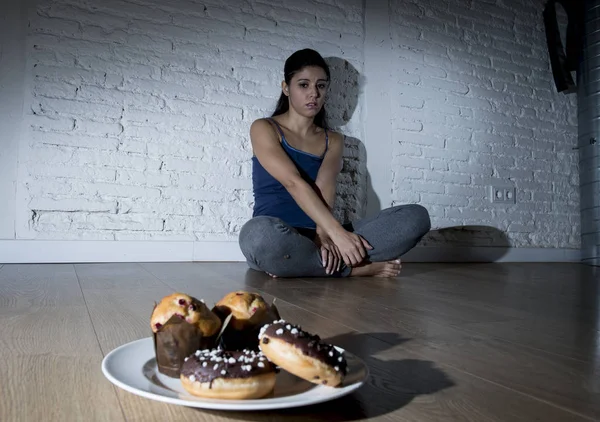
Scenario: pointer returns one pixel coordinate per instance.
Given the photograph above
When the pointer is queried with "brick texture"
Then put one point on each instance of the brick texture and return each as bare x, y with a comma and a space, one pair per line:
474, 105
140, 111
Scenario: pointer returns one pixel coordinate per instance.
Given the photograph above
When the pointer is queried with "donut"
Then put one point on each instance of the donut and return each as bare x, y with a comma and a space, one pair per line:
219, 374
187, 308
302, 354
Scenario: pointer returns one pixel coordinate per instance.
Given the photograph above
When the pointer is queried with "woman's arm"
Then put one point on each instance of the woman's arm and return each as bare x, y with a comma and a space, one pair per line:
326, 184
330, 169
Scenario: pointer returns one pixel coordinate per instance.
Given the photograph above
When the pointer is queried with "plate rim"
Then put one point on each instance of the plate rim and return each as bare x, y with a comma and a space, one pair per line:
226, 405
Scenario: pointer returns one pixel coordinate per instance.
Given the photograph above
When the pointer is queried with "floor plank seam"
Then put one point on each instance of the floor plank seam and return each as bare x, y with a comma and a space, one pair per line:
525, 346
114, 388
155, 276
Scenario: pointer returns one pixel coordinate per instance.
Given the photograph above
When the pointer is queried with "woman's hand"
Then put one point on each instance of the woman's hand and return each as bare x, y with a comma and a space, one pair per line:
330, 254
351, 246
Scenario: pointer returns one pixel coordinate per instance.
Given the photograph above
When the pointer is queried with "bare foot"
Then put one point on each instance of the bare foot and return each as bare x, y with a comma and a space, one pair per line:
377, 269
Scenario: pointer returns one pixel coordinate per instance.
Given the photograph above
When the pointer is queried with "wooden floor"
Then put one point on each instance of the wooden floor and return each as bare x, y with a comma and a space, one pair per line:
477, 342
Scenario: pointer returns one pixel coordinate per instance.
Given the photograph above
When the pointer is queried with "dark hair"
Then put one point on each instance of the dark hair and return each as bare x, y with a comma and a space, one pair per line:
295, 63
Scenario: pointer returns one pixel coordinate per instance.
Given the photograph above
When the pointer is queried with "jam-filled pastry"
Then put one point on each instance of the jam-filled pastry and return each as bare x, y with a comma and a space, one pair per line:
247, 309
187, 308
181, 324
249, 312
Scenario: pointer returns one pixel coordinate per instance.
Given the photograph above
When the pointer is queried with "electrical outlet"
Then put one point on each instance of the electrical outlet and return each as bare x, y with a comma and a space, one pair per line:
503, 194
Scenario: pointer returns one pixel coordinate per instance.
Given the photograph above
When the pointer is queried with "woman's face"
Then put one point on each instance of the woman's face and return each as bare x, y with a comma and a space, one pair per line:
307, 90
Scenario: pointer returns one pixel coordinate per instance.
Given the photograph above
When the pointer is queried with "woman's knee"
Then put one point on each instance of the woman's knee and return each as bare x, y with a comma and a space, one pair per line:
261, 227
261, 234
414, 219
421, 217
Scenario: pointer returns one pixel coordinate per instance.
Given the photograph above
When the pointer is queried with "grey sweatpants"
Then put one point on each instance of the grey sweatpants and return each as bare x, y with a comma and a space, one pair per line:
271, 245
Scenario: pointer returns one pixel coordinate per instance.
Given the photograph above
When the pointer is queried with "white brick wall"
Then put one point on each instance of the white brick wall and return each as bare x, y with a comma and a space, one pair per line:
474, 104
139, 112
137, 116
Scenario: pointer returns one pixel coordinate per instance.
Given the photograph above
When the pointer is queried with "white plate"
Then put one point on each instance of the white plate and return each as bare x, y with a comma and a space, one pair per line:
133, 368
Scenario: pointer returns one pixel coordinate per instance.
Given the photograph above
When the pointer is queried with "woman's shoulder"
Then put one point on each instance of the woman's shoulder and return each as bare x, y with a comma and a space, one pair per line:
261, 125
263, 130
261, 122
335, 137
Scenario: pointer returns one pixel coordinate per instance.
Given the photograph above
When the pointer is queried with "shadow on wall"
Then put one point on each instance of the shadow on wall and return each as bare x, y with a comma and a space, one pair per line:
342, 100
461, 244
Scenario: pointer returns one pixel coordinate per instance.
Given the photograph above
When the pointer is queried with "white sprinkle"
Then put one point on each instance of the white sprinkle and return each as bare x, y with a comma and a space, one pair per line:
279, 332
204, 364
340, 359
331, 353
186, 359
202, 358
337, 368
202, 300
288, 327
192, 378
223, 372
197, 353
231, 360
294, 331
261, 359
241, 358
261, 365
216, 366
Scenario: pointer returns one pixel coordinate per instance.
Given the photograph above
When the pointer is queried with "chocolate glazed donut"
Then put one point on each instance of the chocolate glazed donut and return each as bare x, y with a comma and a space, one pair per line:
228, 374
302, 354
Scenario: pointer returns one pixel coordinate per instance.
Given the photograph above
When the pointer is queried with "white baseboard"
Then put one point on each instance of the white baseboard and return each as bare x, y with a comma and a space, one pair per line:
63, 251
55, 251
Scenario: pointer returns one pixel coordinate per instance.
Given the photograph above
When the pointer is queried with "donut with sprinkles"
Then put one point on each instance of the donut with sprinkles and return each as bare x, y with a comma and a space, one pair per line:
237, 375
302, 353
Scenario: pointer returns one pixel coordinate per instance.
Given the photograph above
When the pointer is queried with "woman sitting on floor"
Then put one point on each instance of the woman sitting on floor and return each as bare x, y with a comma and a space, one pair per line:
296, 161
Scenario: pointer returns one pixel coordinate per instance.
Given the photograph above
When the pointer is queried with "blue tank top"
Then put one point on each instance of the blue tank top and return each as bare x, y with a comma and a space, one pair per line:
271, 198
